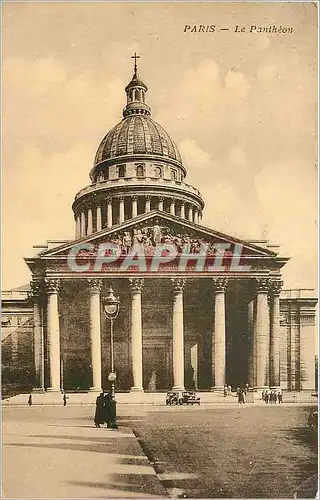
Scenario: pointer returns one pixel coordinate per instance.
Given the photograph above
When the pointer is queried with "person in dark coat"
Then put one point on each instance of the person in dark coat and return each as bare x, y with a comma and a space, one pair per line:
99, 417
30, 400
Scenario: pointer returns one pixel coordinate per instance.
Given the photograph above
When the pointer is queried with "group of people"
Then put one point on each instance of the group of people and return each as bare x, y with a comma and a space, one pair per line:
271, 397
242, 393
105, 410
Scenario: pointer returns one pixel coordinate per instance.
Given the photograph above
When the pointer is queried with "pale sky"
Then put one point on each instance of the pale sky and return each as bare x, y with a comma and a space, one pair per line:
241, 108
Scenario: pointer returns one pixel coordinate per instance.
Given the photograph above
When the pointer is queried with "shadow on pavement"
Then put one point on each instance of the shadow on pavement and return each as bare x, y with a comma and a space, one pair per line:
131, 483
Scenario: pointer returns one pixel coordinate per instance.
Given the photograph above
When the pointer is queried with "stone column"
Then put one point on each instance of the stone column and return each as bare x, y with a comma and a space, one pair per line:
251, 380
121, 209
38, 340
148, 204
183, 211
90, 226
262, 333
172, 207
190, 213
275, 290
99, 218
219, 334
52, 286
160, 204
178, 334
78, 227
134, 206
196, 216
95, 332
136, 285
109, 212
83, 224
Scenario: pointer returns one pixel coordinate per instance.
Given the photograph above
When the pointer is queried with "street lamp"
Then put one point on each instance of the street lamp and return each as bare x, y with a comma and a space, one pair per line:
111, 306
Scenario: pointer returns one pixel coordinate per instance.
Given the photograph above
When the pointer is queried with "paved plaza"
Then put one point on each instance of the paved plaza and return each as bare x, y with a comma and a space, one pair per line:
236, 451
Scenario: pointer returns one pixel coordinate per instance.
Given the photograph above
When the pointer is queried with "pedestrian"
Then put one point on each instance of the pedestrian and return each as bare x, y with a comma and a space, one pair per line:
279, 397
229, 390
99, 417
263, 395
65, 399
30, 400
225, 391
266, 397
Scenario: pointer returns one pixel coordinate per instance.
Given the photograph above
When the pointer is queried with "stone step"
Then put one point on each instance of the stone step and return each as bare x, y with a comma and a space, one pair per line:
84, 398
148, 398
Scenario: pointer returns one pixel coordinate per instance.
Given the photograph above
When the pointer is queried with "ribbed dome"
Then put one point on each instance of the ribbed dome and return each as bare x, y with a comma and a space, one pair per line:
137, 134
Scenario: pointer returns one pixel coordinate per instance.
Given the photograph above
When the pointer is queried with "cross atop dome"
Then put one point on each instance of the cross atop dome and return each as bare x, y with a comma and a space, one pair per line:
135, 57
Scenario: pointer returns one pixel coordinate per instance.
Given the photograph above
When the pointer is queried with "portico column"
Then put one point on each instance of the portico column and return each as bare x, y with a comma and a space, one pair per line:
99, 218
219, 334
83, 224
89, 227
183, 211
190, 213
109, 212
134, 206
136, 285
121, 209
38, 343
160, 205
251, 343
172, 207
52, 286
275, 290
95, 332
178, 334
78, 227
148, 204
262, 332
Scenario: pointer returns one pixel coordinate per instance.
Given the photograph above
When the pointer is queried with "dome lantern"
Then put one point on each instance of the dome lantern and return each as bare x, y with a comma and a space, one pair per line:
136, 91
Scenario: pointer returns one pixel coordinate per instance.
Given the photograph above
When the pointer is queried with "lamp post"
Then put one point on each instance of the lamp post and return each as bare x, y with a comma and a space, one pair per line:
111, 306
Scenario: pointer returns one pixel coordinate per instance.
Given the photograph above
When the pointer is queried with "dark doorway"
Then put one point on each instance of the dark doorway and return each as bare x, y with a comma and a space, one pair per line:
155, 368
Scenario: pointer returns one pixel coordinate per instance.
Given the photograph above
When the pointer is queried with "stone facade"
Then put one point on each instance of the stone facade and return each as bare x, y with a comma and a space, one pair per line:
191, 321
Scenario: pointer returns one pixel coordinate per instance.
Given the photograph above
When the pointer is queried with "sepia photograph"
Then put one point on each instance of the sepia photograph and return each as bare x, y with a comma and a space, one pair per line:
159, 294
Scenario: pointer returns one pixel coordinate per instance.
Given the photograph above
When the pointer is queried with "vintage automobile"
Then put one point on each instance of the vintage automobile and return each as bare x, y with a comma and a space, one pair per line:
181, 398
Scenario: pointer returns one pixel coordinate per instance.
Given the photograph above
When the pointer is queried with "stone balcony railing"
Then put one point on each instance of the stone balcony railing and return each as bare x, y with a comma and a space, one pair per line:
14, 295
298, 293
138, 182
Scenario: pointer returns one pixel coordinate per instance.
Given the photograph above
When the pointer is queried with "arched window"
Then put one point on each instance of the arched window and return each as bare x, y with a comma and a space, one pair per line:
100, 177
157, 172
173, 174
122, 171
140, 170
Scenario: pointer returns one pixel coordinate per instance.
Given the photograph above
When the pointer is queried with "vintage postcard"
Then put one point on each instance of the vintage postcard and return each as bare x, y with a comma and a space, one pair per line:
160, 256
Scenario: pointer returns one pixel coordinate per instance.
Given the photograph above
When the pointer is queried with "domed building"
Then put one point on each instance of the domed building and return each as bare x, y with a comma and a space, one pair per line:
198, 309
137, 168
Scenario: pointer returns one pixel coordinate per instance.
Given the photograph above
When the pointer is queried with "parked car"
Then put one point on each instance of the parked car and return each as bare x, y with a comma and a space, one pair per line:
190, 398
181, 398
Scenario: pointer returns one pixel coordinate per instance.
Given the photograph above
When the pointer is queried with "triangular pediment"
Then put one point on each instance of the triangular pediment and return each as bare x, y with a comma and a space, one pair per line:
154, 228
